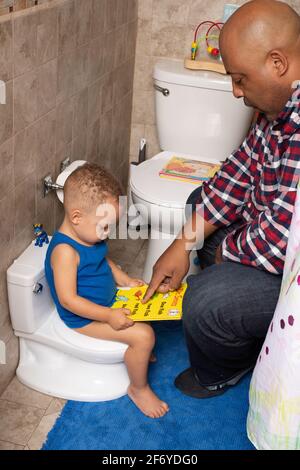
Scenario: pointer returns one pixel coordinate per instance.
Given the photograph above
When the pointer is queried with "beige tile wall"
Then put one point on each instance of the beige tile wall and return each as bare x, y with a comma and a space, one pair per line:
165, 29
68, 67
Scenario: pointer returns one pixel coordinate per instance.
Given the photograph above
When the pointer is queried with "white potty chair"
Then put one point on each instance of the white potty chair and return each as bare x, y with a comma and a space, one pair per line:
53, 358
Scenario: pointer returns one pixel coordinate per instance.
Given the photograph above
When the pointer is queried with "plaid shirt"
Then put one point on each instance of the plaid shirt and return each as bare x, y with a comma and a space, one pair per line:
256, 186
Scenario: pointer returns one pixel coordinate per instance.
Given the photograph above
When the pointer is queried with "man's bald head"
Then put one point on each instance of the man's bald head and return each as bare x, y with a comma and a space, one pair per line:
261, 43
266, 24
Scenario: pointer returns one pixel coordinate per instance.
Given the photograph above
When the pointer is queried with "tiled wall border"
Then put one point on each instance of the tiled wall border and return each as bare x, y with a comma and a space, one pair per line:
11, 6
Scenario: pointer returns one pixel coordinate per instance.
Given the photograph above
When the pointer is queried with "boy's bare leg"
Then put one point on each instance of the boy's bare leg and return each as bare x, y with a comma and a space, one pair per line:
140, 339
152, 356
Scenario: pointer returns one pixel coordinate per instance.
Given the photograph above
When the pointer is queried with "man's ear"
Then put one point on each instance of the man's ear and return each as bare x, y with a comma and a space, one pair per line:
76, 216
278, 62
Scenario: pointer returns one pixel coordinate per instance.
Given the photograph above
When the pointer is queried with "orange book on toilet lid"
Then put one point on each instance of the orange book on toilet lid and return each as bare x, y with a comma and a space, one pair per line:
184, 169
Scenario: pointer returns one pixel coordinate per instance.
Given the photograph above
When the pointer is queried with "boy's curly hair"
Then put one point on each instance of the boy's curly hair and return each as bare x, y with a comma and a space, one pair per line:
90, 185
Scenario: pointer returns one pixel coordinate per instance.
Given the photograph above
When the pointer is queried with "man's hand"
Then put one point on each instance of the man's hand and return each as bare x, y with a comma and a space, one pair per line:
169, 270
119, 320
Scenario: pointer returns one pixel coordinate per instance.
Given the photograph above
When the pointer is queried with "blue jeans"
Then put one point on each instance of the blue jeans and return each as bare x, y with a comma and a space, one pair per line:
227, 310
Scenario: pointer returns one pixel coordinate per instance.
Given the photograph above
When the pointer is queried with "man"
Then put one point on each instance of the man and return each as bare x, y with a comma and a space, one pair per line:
245, 210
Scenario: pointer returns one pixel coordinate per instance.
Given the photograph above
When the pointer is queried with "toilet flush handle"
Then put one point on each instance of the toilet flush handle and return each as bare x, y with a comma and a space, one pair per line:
38, 288
164, 91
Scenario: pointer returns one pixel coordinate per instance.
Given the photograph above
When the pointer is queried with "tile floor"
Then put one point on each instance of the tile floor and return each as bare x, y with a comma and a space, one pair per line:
28, 416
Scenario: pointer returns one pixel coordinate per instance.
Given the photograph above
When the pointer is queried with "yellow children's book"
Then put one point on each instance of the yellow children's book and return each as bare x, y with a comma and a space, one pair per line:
192, 171
161, 307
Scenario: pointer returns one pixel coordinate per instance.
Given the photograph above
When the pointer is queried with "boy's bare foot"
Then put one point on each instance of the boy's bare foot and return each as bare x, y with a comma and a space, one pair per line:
146, 400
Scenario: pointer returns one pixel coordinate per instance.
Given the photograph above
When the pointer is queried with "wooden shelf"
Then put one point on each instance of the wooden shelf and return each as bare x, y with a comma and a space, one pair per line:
204, 65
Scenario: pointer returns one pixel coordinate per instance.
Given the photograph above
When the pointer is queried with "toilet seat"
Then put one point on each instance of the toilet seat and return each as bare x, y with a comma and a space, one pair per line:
148, 185
56, 334
93, 346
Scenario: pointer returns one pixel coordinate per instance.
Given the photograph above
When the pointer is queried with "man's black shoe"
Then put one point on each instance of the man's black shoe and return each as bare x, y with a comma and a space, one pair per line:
188, 384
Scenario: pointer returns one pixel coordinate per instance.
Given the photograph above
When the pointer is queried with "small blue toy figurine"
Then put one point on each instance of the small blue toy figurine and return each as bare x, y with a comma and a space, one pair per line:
40, 234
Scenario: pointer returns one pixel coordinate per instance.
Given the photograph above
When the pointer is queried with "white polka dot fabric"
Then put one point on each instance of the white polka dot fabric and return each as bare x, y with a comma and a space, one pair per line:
274, 413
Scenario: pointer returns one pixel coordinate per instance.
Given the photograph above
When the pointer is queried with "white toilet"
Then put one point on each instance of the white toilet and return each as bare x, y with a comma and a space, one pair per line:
197, 117
54, 359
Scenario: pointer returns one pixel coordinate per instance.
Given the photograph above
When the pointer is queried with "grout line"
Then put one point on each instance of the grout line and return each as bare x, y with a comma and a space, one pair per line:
40, 423
45, 436
13, 443
23, 404
7, 384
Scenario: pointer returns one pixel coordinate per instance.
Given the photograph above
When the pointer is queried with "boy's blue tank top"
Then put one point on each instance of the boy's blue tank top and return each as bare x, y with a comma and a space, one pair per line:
95, 281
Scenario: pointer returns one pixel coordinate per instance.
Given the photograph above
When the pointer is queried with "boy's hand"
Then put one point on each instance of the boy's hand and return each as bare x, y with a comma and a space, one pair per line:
131, 282
127, 281
118, 319
122, 279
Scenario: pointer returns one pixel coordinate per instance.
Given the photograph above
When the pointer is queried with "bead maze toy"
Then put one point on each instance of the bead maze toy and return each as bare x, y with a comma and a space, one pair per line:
213, 51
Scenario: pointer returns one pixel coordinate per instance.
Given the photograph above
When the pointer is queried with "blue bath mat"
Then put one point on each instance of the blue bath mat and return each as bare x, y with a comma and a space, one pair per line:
191, 424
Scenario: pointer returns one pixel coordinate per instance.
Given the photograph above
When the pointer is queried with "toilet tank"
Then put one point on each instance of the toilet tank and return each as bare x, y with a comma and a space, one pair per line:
29, 297
200, 115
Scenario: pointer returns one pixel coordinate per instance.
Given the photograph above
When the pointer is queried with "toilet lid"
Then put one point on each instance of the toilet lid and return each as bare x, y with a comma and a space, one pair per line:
146, 183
